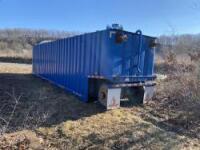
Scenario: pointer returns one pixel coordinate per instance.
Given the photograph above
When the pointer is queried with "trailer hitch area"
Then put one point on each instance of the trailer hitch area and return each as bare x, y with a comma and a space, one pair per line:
137, 95
111, 97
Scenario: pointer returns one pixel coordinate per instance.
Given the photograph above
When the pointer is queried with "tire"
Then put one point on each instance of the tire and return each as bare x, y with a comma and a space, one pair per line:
103, 94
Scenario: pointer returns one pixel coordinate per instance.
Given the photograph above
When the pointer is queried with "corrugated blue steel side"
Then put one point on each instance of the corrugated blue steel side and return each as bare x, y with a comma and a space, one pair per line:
125, 59
68, 62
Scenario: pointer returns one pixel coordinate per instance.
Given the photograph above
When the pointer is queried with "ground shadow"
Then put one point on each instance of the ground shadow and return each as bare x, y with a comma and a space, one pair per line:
19, 60
40, 103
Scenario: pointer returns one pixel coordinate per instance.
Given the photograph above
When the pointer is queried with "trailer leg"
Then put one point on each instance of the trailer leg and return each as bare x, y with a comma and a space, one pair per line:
109, 97
148, 93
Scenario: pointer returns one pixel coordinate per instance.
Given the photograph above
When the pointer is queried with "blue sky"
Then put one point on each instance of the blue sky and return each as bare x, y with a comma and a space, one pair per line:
153, 17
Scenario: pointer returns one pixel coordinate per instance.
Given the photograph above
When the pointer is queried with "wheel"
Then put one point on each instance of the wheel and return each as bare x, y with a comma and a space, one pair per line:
103, 94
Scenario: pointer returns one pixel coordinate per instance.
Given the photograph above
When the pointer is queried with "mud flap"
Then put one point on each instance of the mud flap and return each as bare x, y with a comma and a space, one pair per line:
109, 97
148, 93
113, 99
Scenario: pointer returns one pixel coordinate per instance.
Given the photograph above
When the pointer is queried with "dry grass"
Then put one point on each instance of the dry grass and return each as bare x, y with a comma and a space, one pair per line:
177, 99
15, 69
11, 56
50, 118
15, 54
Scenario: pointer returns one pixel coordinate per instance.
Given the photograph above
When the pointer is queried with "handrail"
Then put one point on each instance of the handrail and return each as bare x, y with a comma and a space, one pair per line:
139, 32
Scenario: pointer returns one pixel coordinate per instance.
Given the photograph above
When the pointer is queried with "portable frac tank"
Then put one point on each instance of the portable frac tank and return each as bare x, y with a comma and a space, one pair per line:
109, 65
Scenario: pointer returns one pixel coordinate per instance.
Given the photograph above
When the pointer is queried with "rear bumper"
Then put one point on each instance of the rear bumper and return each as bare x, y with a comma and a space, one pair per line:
131, 79
125, 79
128, 81
147, 84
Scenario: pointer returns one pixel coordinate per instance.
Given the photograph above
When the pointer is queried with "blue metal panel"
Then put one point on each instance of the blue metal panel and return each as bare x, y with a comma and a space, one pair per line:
70, 61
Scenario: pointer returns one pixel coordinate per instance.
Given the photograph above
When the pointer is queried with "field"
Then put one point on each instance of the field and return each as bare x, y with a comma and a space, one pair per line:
37, 115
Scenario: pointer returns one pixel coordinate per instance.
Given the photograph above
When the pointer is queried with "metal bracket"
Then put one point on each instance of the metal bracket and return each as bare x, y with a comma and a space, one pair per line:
109, 97
148, 93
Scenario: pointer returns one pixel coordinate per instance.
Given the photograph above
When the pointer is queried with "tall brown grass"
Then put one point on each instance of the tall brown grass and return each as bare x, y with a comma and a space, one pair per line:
178, 98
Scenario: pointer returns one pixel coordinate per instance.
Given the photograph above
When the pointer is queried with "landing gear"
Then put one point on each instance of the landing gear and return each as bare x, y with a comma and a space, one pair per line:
148, 93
